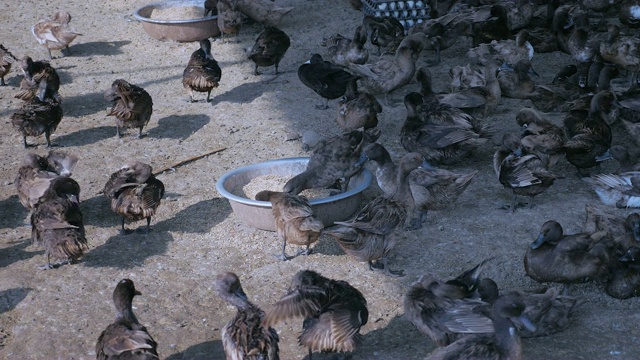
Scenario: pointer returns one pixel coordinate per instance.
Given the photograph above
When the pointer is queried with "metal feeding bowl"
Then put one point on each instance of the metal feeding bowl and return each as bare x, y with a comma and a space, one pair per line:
182, 30
258, 213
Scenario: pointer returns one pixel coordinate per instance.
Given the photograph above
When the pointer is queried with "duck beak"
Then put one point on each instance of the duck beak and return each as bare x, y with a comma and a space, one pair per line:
73, 198
518, 152
307, 62
137, 292
527, 323
426, 165
505, 66
240, 293
604, 157
538, 242
363, 159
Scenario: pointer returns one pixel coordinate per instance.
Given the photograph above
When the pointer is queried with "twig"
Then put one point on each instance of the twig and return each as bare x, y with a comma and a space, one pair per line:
188, 160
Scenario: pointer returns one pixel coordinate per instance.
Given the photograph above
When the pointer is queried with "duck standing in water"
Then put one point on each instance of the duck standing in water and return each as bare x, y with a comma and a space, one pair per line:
326, 79
245, 337
54, 32
202, 73
132, 105
333, 311
135, 193
126, 338
6, 60
269, 48
295, 220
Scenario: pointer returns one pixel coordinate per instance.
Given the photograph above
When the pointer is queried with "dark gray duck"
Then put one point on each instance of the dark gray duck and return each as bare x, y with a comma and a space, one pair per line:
135, 193
295, 221
40, 80
245, 337
36, 117
126, 338
202, 73
430, 303
333, 312
357, 109
326, 79
57, 223
333, 159
369, 236
131, 105
624, 281
35, 176
269, 48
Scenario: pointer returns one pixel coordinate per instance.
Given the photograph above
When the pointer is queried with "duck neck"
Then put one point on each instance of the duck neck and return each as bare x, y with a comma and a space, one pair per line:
387, 170
403, 190
507, 339
127, 314
352, 89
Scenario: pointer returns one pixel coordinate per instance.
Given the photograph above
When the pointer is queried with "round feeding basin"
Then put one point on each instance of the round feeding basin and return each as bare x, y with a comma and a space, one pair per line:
258, 213
180, 20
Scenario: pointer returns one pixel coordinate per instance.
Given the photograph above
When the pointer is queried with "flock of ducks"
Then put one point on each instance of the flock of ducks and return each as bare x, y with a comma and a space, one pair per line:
466, 316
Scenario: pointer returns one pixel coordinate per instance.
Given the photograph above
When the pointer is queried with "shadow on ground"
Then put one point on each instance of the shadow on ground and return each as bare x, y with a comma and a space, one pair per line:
86, 136
98, 48
128, 251
200, 217
13, 213
210, 350
16, 252
12, 297
178, 126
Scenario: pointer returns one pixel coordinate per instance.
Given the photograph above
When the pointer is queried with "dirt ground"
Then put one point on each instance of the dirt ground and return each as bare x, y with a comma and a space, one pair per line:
59, 314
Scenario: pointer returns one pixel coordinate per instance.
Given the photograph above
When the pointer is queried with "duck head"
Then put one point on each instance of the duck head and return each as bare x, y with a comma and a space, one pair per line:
228, 287
511, 306
550, 232
205, 46
123, 296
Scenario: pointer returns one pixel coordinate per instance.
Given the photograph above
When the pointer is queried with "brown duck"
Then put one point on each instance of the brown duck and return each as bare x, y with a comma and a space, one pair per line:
54, 32
202, 73
269, 48
345, 51
40, 80
229, 18
132, 105
36, 117
295, 220
357, 109
6, 60
135, 193
625, 231
540, 136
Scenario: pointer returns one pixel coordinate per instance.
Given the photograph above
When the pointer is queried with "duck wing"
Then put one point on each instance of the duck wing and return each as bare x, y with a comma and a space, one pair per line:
119, 339
306, 301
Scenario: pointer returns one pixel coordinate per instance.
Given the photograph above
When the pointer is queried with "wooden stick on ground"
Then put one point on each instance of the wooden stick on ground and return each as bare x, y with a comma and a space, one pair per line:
188, 160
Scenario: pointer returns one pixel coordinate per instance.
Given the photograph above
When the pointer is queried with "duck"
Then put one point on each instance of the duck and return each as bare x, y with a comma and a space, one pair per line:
369, 235
619, 190
439, 143
40, 80
296, 222
229, 18
357, 109
515, 81
540, 136
541, 34
57, 223
441, 36
519, 15
504, 51
496, 28
387, 75
269, 48
326, 79
35, 176
430, 303
6, 60
625, 231
36, 117
345, 51
464, 77
623, 51
126, 338
629, 102
333, 312
628, 13
131, 105
431, 188
627, 159
524, 173
634, 131
563, 26
210, 7
556, 257
245, 336
134, 193
263, 12
202, 73
333, 159
501, 344
54, 32
557, 96
588, 132
383, 32
625, 278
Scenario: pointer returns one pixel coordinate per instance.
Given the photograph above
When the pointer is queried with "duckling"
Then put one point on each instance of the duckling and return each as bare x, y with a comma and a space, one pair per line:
135, 193
629, 14
507, 51
383, 31
295, 221
40, 80
132, 105
625, 231
37, 117
523, 173
202, 73
540, 136
430, 303
333, 159
270, 47
496, 28
345, 51
515, 81
439, 143
588, 132
6, 60
560, 258
623, 51
245, 336
54, 32
357, 109
503, 343
126, 338
326, 79
264, 12
625, 280
431, 188
229, 18
620, 190
56, 222
387, 75
333, 311
369, 235
35, 176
